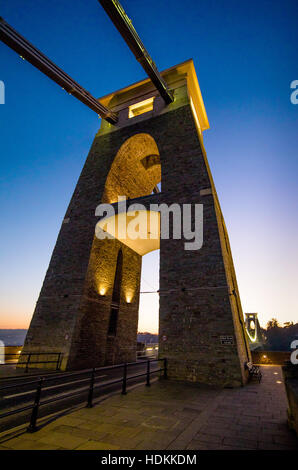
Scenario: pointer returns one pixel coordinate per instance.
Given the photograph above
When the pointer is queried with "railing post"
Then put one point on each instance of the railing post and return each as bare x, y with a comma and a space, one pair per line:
148, 374
32, 426
58, 362
165, 368
124, 379
27, 363
90, 394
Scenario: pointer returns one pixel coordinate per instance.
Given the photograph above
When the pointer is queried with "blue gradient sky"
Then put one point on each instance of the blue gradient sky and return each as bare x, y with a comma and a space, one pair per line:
245, 54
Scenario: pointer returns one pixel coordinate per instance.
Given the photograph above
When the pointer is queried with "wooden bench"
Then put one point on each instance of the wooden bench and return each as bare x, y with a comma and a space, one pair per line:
254, 371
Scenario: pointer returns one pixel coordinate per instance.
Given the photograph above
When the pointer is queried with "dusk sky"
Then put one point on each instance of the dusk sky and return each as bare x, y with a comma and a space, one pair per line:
245, 55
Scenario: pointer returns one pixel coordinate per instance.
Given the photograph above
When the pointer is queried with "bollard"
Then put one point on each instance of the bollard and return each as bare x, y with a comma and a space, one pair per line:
165, 368
124, 379
58, 361
90, 394
148, 374
27, 363
32, 426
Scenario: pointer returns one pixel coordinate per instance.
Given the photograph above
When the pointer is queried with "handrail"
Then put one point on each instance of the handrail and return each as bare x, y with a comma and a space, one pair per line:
29, 362
7, 387
61, 375
17, 378
92, 384
32, 353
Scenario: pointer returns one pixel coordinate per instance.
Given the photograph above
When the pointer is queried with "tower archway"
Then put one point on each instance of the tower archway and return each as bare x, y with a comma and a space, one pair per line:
135, 171
113, 276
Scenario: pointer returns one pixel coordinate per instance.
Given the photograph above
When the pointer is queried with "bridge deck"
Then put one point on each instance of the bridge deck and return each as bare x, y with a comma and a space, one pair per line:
175, 416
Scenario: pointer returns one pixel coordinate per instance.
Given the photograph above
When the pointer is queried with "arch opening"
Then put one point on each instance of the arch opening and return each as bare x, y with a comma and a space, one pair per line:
148, 321
135, 171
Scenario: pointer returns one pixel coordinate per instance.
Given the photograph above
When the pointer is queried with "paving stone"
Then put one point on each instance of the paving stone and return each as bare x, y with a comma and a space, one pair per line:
125, 441
159, 422
107, 428
79, 432
26, 444
95, 445
70, 421
62, 440
239, 443
210, 438
289, 440
202, 445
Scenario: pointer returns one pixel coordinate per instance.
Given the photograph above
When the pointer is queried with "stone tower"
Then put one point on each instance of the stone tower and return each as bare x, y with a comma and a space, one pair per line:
88, 304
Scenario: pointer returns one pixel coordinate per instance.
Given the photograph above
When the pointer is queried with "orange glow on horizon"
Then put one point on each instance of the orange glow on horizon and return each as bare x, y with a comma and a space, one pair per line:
14, 326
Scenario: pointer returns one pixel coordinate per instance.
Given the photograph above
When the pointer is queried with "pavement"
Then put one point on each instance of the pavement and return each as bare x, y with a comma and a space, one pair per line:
170, 415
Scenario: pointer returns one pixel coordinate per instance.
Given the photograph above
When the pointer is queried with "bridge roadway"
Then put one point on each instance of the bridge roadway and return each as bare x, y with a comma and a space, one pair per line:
22, 390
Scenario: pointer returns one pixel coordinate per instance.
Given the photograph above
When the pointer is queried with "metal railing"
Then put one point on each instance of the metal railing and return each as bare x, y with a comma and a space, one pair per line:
29, 356
150, 350
92, 378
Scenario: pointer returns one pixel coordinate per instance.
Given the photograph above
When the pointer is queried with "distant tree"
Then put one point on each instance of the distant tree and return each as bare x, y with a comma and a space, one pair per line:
288, 323
273, 323
279, 338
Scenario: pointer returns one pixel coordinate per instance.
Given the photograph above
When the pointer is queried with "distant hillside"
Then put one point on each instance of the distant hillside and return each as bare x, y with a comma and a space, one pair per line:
13, 337
17, 337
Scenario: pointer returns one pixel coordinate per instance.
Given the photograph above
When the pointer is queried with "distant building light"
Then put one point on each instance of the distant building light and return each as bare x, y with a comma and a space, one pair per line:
278, 382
